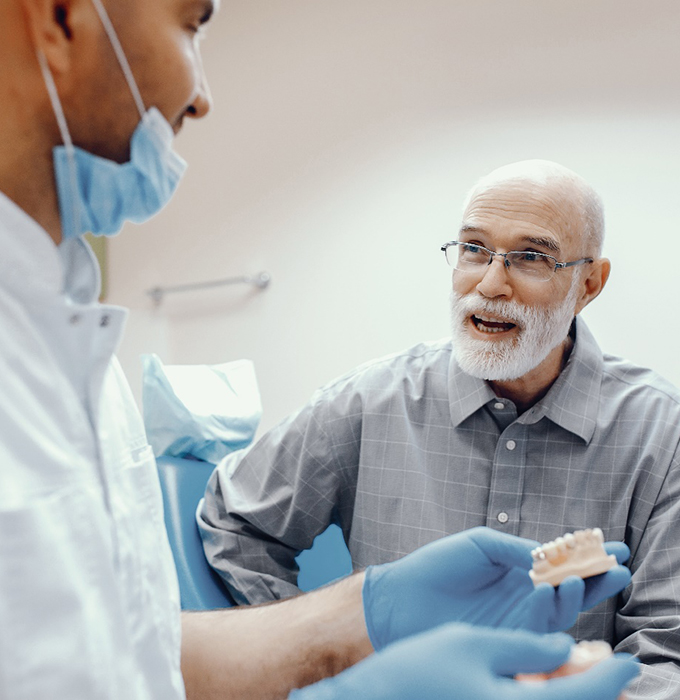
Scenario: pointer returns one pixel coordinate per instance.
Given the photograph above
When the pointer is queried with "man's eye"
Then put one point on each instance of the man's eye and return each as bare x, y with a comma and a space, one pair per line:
471, 248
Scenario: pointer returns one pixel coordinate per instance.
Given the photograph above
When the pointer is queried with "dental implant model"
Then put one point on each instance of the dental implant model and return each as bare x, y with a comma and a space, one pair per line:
579, 554
583, 656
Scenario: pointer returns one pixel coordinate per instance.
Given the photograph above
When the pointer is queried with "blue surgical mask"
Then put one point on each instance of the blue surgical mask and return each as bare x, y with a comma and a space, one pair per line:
97, 195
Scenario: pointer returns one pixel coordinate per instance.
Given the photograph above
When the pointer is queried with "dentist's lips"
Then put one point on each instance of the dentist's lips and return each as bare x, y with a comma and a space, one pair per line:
486, 324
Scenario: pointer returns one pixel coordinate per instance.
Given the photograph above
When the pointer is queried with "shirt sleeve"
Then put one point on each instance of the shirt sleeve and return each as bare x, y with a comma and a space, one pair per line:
648, 620
266, 504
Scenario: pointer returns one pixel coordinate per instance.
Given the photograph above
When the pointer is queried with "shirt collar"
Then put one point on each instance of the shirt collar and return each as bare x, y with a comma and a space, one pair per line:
573, 400
571, 403
34, 268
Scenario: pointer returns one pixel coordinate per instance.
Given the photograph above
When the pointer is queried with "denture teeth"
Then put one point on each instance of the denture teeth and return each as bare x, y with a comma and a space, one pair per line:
550, 550
538, 554
580, 553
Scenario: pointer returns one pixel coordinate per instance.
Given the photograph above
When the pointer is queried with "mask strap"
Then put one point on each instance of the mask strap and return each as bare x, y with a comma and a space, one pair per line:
65, 136
54, 99
120, 55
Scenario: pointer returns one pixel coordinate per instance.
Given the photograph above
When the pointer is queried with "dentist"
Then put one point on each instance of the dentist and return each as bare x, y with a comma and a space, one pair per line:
89, 608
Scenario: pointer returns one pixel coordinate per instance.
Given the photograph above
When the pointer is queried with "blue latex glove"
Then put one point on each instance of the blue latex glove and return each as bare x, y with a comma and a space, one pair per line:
459, 662
479, 576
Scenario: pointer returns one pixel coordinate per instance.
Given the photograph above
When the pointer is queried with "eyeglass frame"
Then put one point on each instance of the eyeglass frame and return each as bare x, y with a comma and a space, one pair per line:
492, 253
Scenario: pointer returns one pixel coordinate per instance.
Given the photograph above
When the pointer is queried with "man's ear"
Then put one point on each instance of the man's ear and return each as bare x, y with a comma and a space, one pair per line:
594, 282
52, 25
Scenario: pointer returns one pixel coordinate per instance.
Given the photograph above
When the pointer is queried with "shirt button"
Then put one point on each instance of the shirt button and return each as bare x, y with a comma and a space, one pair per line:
510, 445
503, 517
499, 406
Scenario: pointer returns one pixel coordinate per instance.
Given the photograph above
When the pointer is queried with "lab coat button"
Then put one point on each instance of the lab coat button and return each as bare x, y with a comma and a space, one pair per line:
74, 320
503, 517
104, 321
510, 445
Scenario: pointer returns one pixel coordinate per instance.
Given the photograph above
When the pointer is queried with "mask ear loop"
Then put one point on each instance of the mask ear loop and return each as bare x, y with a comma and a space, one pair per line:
65, 137
120, 55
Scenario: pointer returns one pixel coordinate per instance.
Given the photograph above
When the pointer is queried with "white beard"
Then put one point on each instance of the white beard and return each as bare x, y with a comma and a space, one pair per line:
541, 330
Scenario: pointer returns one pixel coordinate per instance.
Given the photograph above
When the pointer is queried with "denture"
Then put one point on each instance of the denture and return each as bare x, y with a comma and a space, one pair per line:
579, 554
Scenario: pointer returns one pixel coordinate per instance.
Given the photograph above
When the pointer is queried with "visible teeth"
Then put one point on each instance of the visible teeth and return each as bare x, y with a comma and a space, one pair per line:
487, 319
481, 320
570, 540
537, 554
550, 550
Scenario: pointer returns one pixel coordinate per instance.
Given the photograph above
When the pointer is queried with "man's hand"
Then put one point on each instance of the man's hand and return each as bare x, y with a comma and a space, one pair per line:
465, 663
479, 576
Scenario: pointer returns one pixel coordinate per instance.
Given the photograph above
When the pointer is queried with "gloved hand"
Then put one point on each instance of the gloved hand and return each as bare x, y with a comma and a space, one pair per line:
479, 576
459, 662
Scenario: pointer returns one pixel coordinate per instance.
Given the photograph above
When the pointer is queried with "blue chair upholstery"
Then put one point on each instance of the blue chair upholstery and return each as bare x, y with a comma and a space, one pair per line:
183, 483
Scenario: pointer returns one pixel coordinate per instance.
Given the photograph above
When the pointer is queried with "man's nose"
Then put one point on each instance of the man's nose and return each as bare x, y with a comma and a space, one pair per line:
495, 281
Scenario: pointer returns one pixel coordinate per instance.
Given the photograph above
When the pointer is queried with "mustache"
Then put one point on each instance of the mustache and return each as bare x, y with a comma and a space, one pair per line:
466, 305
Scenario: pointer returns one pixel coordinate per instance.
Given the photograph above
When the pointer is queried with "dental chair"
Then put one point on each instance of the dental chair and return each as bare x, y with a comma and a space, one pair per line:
183, 483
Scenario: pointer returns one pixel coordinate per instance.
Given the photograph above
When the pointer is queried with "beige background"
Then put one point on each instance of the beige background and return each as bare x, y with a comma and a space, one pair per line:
344, 136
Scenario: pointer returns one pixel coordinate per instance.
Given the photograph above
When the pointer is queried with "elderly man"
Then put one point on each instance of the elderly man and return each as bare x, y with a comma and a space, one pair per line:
93, 92
519, 423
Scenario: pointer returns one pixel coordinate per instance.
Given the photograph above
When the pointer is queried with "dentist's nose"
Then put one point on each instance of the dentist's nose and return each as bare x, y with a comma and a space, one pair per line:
202, 103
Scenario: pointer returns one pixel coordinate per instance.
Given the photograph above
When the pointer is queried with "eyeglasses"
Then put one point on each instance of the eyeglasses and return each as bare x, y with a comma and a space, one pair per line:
471, 257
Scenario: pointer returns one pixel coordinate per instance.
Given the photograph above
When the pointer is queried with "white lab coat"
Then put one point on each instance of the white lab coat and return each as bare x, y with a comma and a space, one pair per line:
89, 604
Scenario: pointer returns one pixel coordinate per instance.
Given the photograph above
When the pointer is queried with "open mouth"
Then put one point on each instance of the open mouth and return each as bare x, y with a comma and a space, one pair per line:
490, 325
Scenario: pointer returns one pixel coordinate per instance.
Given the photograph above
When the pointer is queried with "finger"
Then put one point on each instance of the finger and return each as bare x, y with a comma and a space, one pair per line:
520, 651
619, 549
504, 549
538, 609
604, 681
569, 596
599, 588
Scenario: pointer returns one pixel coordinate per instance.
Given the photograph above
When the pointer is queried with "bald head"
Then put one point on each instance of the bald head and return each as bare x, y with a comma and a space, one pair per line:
568, 201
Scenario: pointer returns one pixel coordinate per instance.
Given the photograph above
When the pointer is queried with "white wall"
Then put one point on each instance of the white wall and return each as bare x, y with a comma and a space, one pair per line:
344, 136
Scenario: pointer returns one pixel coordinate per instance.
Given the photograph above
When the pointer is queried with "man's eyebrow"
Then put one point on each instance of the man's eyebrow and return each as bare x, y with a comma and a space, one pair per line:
541, 241
544, 242
469, 228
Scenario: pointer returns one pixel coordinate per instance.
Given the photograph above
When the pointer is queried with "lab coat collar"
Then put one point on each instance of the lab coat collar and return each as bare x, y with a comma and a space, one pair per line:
572, 402
34, 268
30, 262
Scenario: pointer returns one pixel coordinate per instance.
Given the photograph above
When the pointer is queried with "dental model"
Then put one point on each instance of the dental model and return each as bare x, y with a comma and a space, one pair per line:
579, 554
583, 656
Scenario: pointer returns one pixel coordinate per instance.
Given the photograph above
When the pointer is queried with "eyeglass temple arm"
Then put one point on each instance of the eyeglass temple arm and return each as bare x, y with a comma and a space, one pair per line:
562, 265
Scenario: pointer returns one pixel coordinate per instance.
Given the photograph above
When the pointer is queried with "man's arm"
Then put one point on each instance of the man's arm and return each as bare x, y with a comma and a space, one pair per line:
266, 504
648, 621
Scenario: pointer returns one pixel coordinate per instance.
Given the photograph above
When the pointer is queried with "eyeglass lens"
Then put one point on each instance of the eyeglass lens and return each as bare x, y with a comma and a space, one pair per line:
470, 258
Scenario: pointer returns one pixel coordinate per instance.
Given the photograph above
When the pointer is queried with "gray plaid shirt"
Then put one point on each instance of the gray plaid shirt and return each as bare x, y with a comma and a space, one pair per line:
408, 448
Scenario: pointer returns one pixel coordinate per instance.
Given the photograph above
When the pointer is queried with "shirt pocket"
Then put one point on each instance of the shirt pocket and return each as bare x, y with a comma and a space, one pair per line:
55, 641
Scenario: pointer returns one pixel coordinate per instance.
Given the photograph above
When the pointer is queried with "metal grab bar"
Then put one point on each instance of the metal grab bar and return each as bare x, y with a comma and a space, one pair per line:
261, 281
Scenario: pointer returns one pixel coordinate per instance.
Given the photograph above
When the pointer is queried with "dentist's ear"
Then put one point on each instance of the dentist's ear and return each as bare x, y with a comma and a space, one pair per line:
55, 26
